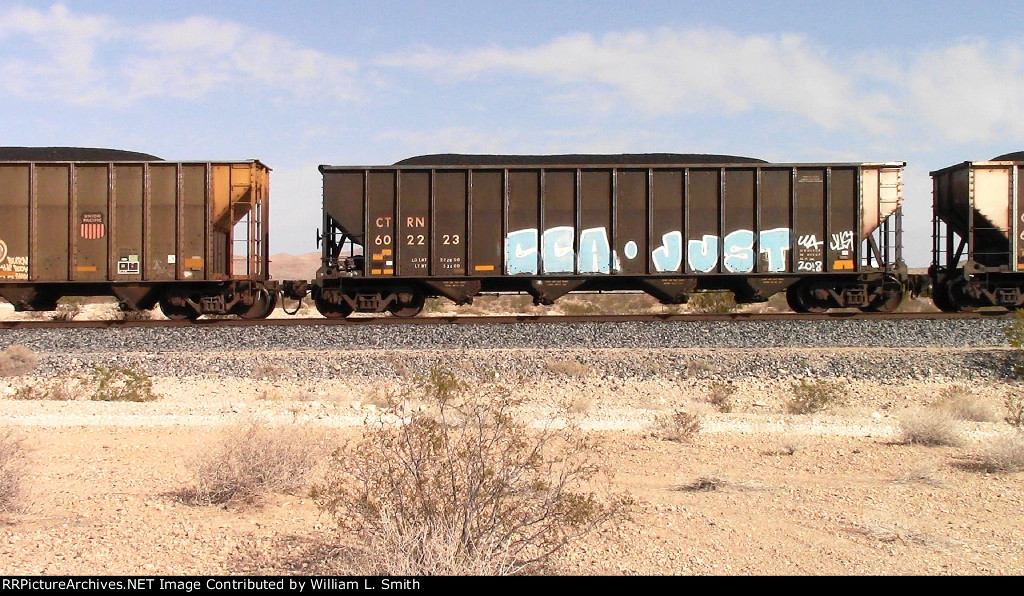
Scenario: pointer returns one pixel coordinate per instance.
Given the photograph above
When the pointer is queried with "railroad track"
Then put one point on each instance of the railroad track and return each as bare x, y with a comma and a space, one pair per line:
503, 319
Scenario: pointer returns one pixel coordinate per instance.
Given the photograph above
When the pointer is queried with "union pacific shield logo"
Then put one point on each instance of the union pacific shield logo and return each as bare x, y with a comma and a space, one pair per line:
92, 227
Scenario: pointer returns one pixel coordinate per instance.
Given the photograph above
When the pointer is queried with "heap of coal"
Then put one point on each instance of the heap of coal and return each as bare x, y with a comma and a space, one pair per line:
1015, 156
457, 159
71, 154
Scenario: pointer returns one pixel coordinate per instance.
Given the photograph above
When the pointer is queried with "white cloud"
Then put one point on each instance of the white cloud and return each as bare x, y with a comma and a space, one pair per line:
95, 60
969, 91
671, 71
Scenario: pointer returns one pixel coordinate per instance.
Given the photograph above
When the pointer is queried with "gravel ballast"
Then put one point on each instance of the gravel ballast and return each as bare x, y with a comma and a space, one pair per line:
643, 335
877, 350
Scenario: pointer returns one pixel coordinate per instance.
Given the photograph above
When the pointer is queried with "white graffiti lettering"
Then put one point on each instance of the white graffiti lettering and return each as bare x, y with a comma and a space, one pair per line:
842, 241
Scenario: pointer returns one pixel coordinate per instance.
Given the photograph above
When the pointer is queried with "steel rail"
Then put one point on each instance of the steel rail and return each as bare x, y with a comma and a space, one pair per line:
358, 320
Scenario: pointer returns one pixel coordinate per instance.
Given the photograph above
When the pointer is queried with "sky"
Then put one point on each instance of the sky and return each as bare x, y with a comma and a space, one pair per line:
302, 83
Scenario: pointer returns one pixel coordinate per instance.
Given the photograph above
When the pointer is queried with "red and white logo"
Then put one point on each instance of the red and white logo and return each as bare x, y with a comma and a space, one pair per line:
3, 251
92, 227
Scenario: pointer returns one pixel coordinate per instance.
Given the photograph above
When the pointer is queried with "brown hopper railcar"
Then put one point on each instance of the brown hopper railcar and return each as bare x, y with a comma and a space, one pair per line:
828, 234
189, 236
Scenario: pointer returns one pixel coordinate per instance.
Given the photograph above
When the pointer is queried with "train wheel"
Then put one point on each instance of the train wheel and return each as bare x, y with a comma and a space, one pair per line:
889, 300
410, 307
261, 308
800, 300
958, 298
331, 310
940, 296
177, 313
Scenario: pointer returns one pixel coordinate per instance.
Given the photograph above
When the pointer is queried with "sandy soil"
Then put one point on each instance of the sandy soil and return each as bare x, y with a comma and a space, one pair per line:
831, 493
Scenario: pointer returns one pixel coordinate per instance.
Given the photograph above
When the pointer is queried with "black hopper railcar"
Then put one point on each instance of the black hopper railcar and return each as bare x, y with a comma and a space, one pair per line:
827, 234
978, 234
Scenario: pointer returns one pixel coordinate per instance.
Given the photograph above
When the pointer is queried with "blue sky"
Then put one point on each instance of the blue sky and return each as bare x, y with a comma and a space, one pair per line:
298, 84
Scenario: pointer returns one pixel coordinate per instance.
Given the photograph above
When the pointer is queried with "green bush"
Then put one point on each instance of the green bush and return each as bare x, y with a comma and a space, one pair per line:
720, 396
812, 395
119, 383
719, 302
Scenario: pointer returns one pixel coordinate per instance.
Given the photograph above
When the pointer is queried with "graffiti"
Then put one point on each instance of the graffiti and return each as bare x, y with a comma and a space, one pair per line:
14, 267
527, 251
809, 241
669, 256
842, 241
738, 252
558, 255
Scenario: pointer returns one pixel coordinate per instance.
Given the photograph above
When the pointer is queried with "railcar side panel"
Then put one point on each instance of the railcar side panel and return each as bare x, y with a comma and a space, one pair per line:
162, 223
809, 221
665, 254
523, 216
842, 243
193, 223
593, 255
414, 223
739, 228
380, 223
448, 224
631, 208
775, 212
14, 228
127, 222
486, 227
701, 238
51, 224
90, 223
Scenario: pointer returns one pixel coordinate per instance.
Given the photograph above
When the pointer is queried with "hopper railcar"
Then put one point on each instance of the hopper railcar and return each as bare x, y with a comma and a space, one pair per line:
978, 234
826, 234
190, 237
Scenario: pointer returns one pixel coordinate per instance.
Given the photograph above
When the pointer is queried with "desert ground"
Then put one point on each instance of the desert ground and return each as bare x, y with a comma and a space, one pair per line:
755, 490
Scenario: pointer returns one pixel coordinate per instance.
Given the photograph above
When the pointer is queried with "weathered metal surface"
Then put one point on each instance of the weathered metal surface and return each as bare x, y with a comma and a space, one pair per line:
684, 219
978, 204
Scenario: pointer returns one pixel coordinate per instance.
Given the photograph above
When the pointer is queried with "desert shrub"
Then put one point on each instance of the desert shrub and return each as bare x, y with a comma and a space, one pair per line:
16, 360
460, 487
252, 460
436, 305
679, 426
12, 456
722, 302
812, 395
1005, 453
269, 371
50, 389
720, 396
132, 315
1015, 411
930, 426
578, 306
790, 443
963, 404
1015, 337
703, 484
582, 405
568, 368
120, 383
68, 309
